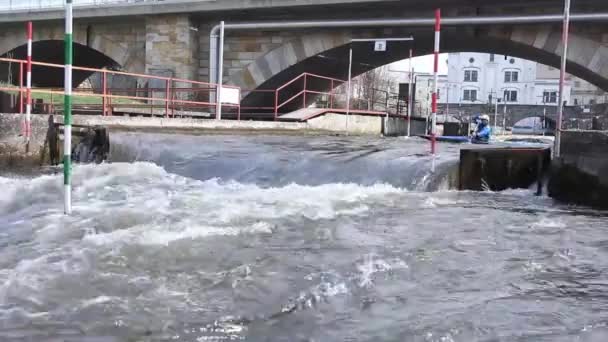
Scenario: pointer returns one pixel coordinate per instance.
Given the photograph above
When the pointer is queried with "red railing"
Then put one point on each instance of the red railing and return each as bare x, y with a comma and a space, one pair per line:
179, 97
334, 82
181, 94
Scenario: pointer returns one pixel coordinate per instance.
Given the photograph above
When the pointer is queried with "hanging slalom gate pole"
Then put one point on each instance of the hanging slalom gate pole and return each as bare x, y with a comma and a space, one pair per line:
67, 111
409, 97
562, 79
28, 88
435, 86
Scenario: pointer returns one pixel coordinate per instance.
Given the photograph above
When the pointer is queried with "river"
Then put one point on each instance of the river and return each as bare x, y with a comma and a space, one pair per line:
293, 238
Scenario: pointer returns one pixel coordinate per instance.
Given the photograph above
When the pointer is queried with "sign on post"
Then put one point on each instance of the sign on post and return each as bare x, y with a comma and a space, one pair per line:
230, 95
380, 45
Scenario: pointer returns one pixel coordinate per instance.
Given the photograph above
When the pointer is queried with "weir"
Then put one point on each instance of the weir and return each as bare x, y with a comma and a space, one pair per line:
467, 167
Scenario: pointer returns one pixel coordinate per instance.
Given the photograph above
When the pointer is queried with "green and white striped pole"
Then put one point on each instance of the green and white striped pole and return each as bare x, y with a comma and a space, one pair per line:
67, 111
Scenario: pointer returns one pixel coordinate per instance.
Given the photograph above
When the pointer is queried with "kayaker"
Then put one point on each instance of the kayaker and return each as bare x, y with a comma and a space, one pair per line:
483, 132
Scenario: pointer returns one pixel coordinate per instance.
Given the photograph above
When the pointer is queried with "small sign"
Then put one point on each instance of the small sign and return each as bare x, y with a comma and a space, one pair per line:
230, 95
380, 45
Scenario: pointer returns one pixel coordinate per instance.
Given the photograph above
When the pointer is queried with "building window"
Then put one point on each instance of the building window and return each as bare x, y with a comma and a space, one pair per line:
591, 102
511, 76
576, 102
471, 60
471, 75
469, 95
492, 56
549, 97
510, 95
512, 61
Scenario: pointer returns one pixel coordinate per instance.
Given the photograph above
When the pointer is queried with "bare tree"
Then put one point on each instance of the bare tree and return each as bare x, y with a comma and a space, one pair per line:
370, 90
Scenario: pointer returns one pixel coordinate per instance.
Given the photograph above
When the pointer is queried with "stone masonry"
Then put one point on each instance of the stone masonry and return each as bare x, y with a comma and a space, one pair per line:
171, 46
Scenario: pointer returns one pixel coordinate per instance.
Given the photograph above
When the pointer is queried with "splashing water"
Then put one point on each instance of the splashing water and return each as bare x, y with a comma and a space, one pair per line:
292, 239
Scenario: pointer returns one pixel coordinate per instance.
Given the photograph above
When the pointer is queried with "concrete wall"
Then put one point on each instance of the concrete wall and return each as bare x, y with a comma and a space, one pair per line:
394, 127
357, 124
580, 175
13, 155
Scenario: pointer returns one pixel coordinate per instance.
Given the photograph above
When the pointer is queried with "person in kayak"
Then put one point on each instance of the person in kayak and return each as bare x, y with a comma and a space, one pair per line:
483, 132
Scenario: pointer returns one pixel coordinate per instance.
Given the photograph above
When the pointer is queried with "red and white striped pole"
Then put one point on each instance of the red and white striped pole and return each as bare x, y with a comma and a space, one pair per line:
28, 86
435, 85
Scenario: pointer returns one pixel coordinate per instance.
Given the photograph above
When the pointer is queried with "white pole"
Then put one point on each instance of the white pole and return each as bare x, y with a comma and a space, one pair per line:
504, 124
447, 99
562, 78
505, 111
544, 117
410, 105
495, 115
348, 91
220, 73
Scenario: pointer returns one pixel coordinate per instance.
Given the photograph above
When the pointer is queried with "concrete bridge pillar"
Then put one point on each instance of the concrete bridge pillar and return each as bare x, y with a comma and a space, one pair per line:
171, 46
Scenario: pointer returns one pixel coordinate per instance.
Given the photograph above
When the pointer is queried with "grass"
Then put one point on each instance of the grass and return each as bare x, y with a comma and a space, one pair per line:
57, 99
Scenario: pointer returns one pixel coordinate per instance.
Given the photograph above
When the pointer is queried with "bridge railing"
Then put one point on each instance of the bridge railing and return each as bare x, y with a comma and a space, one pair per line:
150, 95
17, 5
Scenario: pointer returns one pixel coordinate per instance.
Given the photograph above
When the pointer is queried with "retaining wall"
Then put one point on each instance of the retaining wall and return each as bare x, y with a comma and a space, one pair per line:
580, 175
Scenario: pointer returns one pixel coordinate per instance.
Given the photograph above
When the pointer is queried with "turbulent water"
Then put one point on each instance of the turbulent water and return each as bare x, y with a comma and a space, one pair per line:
224, 238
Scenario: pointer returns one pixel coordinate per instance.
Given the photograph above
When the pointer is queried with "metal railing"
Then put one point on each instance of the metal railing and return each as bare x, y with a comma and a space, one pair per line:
178, 97
15, 5
305, 77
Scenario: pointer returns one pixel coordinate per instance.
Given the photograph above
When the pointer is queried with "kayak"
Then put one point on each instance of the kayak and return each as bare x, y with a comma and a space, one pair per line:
449, 138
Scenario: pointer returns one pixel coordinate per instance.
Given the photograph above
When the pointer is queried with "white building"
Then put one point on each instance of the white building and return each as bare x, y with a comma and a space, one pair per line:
482, 78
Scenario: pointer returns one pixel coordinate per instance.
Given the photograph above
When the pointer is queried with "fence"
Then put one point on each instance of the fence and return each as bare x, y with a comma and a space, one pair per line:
106, 92
178, 97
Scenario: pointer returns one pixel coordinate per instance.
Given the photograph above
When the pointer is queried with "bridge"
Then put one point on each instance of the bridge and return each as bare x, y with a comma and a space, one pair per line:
174, 38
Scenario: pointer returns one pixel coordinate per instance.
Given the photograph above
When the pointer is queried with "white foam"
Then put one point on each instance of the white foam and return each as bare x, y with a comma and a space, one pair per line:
546, 222
97, 301
116, 205
372, 265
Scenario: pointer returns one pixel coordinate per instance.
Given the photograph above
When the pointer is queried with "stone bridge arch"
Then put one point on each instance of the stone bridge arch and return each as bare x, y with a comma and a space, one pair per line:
113, 46
325, 52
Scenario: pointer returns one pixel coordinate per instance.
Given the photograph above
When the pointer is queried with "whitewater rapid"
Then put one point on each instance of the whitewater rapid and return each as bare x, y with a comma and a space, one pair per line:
179, 244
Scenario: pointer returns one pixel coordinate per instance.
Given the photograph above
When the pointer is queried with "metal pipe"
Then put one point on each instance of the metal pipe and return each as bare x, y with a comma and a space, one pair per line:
220, 72
21, 88
213, 36
562, 78
28, 88
410, 105
435, 86
167, 97
304, 95
375, 22
331, 95
348, 91
104, 99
